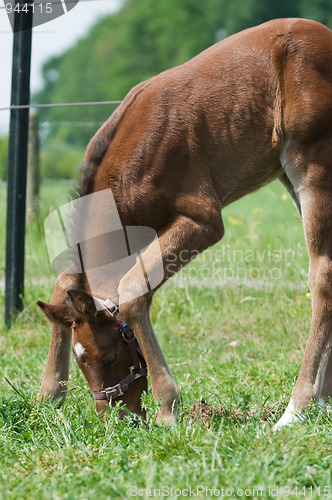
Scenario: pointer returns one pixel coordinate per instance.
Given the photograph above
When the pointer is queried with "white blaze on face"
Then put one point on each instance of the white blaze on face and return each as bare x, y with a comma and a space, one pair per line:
79, 349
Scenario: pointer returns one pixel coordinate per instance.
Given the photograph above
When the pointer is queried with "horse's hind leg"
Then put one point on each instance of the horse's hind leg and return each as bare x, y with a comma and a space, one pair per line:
184, 233
290, 188
327, 385
314, 186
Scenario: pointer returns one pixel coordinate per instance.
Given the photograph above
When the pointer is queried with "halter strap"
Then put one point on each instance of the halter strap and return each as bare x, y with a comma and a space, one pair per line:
136, 370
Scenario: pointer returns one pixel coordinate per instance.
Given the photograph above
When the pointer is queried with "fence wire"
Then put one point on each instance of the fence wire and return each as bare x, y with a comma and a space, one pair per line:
59, 105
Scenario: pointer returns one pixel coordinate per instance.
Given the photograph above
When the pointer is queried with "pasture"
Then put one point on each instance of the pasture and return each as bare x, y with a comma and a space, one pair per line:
233, 327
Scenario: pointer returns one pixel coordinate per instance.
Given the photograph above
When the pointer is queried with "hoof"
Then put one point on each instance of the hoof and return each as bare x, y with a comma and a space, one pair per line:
289, 417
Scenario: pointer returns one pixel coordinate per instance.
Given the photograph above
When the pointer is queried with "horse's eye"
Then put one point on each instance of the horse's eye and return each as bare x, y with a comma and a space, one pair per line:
109, 362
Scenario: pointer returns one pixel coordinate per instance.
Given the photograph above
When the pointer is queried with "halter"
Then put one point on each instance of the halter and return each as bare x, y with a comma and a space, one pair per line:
136, 370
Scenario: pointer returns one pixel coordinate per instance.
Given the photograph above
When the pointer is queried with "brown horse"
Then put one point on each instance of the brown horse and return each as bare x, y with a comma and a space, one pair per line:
183, 145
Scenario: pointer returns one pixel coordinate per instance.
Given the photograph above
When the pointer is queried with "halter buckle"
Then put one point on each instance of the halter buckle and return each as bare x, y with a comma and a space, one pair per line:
132, 368
113, 388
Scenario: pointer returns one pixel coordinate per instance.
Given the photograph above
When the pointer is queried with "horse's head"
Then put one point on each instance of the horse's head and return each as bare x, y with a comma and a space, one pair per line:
105, 351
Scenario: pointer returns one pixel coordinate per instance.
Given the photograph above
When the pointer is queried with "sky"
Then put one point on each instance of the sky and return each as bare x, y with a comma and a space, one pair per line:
48, 40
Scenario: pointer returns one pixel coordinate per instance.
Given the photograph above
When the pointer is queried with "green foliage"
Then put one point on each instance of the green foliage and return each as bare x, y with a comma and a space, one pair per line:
320, 10
57, 160
240, 14
61, 161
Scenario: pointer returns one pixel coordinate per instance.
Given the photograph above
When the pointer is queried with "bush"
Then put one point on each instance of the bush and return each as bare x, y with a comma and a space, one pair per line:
56, 161
61, 162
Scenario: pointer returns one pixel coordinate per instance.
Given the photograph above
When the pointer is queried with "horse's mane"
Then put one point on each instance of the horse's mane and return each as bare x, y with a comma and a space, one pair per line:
100, 142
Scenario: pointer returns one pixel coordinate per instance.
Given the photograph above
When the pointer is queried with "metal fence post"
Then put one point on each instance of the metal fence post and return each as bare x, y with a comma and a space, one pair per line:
17, 163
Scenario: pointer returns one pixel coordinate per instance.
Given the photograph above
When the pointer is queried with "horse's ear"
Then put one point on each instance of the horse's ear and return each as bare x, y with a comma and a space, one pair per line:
82, 302
57, 313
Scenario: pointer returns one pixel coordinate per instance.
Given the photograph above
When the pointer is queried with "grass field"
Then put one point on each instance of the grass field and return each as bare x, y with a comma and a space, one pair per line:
233, 327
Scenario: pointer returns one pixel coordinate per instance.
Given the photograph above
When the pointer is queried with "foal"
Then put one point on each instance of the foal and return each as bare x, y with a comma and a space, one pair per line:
183, 145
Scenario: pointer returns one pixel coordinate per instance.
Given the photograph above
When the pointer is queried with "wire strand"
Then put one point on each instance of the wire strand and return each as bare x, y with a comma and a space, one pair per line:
59, 105
69, 124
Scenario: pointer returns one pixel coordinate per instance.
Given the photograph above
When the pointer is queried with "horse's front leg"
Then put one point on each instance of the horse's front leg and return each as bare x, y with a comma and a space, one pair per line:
184, 234
54, 384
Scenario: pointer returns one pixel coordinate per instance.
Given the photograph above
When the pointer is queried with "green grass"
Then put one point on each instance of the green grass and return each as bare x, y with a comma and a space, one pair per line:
238, 347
